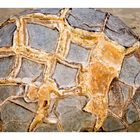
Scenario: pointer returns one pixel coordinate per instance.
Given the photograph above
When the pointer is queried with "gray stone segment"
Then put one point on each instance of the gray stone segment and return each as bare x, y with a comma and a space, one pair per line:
130, 69
119, 32
40, 10
6, 65
6, 35
15, 118
42, 38
30, 69
65, 76
87, 19
131, 114
112, 124
9, 90
47, 128
78, 54
71, 116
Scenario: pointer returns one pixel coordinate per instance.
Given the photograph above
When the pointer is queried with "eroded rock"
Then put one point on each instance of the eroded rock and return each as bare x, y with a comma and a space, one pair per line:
131, 114
65, 76
88, 19
71, 115
7, 91
112, 124
81, 54
31, 70
6, 65
119, 95
135, 127
130, 70
119, 32
6, 35
47, 37
47, 128
15, 117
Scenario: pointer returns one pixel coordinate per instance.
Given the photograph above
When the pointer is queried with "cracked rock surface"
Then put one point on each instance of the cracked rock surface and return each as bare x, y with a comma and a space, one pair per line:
68, 70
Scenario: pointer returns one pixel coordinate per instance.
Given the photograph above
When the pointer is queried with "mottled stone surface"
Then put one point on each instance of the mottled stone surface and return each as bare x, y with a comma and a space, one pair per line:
48, 10
135, 127
130, 70
88, 19
31, 106
112, 124
119, 32
93, 20
6, 34
130, 16
15, 118
78, 54
131, 114
64, 76
30, 70
6, 65
9, 90
39, 10
71, 116
42, 38
47, 128
119, 95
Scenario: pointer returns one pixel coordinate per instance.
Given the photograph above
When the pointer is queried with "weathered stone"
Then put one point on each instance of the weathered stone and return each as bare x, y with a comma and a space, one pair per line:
131, 114
119, 94
32, 106
47, 128
6, 34
112, 124
30, 70
48, 10
121, 130
15, 126
71, 116
7, 91
15, 117
42, 38
115, 103
40, 10
119, 32
6, 65
135, 127
78, 54
136, 98
129, 71
87, 19
65, 76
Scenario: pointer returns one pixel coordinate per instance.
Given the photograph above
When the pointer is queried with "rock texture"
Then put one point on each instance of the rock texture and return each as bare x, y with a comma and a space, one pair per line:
68, 70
